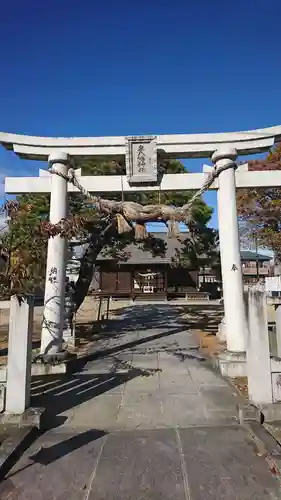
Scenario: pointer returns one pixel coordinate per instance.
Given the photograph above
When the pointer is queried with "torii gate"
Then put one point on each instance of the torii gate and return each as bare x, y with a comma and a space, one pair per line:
223, 148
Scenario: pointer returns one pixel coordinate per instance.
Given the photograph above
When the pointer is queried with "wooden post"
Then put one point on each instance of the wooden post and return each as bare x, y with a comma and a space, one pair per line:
99, 309
107, 307
166, 281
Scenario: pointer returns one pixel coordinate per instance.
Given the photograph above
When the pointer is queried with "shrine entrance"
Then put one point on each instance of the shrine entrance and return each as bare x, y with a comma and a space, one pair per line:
149, 282
142, 174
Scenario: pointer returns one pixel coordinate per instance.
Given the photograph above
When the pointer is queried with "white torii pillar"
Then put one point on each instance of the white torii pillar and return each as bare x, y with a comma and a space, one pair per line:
232, 280
53, 320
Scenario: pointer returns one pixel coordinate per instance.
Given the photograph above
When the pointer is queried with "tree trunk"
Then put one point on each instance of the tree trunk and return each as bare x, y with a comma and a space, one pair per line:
86, 272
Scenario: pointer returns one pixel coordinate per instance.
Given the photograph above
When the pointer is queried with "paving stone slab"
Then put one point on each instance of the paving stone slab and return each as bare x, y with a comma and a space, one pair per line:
217, 398
124, 342
124, 356
174, 365
131, 420
203, 375
182, 410
143, 384
103, 365
221, 464
100, 412
140, 465
57, 466
145, 360
215, 416
140, 410
140, 398
177, 383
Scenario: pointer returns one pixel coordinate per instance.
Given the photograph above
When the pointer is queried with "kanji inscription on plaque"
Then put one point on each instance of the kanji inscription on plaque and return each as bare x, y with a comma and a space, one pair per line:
141, 159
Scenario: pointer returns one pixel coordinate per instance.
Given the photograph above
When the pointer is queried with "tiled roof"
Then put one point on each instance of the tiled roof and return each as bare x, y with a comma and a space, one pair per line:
248, 255
135, 254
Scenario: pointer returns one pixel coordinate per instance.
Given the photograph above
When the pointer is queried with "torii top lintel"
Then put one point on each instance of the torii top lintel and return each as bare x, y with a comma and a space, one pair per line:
174, 145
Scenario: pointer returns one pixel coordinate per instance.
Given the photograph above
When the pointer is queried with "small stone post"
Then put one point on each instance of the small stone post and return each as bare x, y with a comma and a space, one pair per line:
258, 353
278, 329
19, 355
222, 330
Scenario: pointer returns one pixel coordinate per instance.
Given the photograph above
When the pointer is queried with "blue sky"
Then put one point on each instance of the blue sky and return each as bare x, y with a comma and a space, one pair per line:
122, 68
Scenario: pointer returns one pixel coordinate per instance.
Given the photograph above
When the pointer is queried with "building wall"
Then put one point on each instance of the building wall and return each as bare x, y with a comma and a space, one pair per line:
178, 278
115, 281
125, 278
250, 268
252, 274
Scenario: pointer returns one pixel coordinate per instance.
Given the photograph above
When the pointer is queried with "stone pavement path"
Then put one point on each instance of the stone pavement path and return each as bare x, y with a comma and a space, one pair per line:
145, 418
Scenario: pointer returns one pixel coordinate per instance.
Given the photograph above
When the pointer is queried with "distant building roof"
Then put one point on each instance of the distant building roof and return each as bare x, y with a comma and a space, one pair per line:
248, 255
135, 254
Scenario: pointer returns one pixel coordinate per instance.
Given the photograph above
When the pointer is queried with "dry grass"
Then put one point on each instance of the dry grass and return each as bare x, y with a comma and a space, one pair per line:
210, 344
241, 384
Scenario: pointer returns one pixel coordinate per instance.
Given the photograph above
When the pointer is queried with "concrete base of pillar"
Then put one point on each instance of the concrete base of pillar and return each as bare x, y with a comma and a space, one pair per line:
262, 413
271, 412
232, 364
38, 369
275, 364
31, 417
248, 412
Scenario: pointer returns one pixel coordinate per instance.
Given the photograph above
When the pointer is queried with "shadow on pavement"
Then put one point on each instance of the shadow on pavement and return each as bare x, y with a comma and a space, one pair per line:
109, 351
143, 317
60, 393
49, 454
